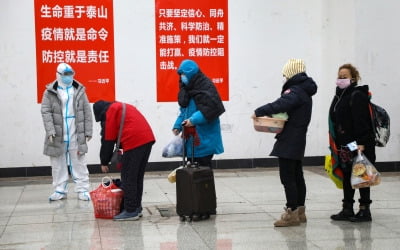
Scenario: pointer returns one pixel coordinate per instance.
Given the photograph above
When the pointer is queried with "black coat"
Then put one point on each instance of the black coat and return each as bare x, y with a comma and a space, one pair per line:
351, 118
296, 101
205, 95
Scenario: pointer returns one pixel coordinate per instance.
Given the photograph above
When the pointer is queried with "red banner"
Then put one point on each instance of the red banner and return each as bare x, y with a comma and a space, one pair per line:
80, 33
196, 30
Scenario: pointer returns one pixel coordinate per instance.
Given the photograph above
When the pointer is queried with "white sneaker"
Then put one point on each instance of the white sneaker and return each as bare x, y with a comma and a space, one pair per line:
84, 196
57, 196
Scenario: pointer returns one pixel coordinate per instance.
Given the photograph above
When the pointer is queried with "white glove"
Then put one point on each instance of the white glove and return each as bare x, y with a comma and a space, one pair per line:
51, 138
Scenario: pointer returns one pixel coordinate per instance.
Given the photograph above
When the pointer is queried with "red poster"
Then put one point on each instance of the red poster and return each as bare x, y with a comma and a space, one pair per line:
196, 30
80, 33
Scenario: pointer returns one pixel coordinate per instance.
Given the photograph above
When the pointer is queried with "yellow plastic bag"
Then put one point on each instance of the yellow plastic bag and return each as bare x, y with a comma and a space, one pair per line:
334, 172
172, 175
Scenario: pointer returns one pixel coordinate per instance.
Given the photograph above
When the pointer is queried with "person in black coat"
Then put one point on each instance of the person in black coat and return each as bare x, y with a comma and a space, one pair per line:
296, 101
351, 122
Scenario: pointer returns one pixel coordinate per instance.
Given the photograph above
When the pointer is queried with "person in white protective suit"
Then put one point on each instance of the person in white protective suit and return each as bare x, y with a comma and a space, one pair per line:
67, 119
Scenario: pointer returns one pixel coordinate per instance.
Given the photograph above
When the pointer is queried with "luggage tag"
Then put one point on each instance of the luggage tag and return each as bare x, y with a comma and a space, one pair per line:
352, 146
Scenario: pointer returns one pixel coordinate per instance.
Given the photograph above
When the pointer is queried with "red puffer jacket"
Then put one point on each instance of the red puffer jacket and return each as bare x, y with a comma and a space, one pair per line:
135, 133
136, 130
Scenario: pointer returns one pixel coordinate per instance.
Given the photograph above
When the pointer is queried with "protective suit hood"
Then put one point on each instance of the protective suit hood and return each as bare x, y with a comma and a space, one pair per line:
65, 74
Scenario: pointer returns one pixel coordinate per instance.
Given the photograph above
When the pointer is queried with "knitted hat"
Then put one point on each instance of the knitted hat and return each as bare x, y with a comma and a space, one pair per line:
293, 67
188, 68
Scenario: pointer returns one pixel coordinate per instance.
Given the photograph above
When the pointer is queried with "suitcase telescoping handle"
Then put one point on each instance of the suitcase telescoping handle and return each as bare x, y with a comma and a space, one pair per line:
184, 145
184, 148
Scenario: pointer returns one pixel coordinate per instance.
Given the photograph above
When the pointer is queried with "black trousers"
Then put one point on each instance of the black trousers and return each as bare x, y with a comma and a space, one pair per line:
292, 179
203, 161
348, 191
132, 174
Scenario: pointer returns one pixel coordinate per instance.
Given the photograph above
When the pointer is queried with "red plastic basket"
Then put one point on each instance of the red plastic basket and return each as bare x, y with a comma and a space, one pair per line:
106, 199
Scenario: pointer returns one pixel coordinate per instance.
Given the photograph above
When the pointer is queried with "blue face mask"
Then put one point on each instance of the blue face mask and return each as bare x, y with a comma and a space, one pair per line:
184, 79
67, 80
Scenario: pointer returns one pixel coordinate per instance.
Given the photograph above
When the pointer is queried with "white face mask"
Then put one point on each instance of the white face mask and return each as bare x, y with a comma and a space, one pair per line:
343, 83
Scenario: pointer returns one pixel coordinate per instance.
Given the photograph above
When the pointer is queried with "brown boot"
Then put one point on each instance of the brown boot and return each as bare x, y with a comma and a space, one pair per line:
288, 218
302, 214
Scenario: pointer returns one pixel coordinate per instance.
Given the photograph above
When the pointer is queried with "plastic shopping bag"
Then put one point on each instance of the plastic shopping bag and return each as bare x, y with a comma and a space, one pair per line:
172, 175
174, 148
364, 174
107, 199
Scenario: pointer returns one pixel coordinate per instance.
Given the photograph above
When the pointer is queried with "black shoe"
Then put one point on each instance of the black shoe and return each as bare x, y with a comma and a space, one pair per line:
363, 215
345, 214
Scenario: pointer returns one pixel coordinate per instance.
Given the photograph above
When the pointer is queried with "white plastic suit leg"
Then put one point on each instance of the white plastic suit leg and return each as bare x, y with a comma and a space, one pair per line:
79, 171
59, 170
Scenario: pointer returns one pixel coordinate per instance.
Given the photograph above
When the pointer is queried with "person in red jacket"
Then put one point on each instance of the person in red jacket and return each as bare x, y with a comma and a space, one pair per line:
137, 140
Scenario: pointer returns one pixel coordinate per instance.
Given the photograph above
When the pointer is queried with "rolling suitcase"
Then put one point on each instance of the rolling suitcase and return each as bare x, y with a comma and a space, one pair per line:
195, 191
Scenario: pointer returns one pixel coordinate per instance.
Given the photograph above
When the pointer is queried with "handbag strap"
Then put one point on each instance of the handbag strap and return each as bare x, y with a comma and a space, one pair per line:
121, 125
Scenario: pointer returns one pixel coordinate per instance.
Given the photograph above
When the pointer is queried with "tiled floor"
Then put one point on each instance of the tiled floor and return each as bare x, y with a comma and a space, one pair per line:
249, 201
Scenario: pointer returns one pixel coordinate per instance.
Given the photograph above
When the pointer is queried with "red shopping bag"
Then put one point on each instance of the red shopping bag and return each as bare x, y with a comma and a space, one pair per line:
106, 199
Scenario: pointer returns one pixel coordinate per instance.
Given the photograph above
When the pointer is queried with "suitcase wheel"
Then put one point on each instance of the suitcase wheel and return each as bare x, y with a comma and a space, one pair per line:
186, 218
205, 216
195, 217
199, 217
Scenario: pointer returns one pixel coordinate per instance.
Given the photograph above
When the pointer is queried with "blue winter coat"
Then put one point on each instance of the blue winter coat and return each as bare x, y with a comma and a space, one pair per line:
209, 132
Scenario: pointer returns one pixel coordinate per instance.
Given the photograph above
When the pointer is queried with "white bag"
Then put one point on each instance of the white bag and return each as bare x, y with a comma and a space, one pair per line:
174, 148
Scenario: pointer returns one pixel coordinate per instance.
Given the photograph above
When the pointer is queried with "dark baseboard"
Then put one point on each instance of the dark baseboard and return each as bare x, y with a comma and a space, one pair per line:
170, 165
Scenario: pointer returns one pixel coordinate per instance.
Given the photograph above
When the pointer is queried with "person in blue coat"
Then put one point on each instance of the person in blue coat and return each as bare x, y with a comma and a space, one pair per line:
200, 108
296, 101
